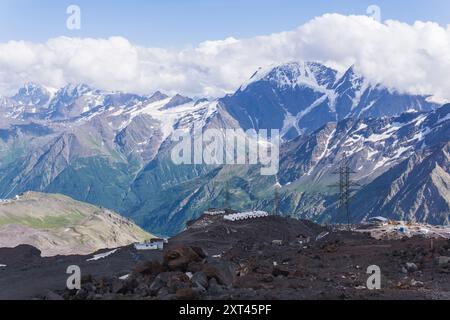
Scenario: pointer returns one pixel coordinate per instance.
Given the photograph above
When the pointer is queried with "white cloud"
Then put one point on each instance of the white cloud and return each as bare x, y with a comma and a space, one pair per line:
412, 58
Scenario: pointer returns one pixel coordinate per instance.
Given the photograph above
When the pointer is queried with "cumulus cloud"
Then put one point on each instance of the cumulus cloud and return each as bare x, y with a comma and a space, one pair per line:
409, 58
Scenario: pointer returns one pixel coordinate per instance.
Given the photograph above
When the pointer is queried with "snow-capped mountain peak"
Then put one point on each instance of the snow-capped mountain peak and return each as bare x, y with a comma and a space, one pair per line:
74, 90
32, 94
158, 95
293, 74
350, 79
300, 97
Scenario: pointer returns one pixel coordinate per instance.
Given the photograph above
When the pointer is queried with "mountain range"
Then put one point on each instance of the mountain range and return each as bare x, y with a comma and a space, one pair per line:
113, 148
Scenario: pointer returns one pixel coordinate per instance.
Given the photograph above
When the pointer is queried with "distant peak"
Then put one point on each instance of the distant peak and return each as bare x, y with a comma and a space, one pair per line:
177, 100
351, 79
158, 96
80, 87
75, 89
31, 85
351, 71
31, 88
295, 73
179, 96
201, 100
32, 94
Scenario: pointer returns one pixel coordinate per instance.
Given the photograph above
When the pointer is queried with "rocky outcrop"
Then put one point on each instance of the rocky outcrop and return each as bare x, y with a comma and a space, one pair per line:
253, 267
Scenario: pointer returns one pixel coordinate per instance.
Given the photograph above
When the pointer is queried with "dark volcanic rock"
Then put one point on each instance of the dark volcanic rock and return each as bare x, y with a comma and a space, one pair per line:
53, 296
149, 268
241, 266
224, 272
187, 294
195, 266
178, 258
21, 255
200, 252
200, 279
280, 271
178, 280
160, 282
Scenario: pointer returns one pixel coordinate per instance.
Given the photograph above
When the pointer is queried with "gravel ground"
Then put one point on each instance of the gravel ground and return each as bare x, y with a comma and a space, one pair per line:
266, 258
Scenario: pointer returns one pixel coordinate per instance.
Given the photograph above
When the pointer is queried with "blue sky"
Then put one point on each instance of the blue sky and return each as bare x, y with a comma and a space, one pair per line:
147, 45
177, 23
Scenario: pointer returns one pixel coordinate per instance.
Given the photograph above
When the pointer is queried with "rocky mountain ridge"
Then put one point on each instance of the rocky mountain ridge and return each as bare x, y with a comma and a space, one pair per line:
113, 148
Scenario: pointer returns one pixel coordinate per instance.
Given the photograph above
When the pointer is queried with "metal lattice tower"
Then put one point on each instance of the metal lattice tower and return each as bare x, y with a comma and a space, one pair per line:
345, 188
276, 201
227, 197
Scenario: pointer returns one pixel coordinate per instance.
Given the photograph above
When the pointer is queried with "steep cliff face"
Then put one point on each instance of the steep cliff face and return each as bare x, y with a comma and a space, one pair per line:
401, 164
418, 189
301, 97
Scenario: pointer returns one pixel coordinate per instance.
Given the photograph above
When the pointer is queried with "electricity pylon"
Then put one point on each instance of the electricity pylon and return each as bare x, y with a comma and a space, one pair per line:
227, 196
276, 200
345, 188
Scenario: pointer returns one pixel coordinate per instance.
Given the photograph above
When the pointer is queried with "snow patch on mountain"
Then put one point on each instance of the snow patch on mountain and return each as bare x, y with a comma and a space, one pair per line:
294, 74
169, 117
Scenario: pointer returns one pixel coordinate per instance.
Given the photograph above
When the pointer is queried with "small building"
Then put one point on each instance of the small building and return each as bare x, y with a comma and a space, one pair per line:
277, 242
245, 215
379, 220
152, 244
214, 212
